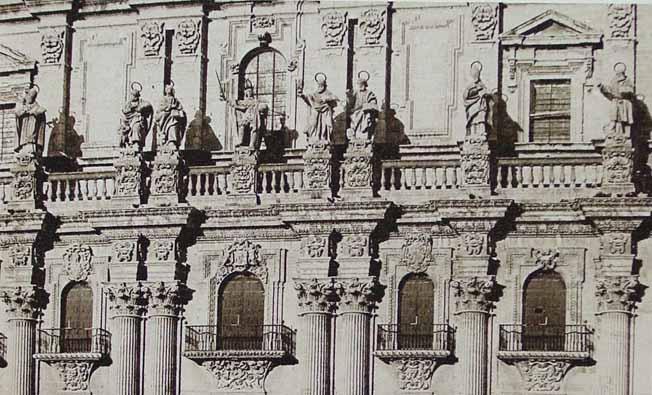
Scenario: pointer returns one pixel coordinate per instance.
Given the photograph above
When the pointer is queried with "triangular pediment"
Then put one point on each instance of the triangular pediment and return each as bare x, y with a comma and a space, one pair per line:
12, 61
552, 28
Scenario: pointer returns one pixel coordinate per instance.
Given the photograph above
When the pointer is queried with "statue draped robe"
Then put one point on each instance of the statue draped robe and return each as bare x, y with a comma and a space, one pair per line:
320, 123
363, 106
30, 125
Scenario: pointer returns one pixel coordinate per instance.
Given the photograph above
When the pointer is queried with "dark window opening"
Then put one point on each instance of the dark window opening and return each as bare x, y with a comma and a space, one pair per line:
550, 104
415, 313
241, 313
544, 312
77, 318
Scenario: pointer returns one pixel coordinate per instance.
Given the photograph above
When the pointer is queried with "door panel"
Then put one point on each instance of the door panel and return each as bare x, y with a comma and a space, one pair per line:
544, 312
242, 312
77, 318
415, 313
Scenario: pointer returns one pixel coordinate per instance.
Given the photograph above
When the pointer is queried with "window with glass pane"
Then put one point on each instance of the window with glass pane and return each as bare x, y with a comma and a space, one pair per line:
267, 72
550, 105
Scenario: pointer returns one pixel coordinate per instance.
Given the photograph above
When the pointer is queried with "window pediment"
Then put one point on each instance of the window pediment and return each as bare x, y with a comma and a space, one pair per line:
551, 28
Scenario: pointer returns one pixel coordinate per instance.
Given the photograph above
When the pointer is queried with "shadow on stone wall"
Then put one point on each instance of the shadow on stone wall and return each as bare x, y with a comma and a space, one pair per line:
201, 136
640, 140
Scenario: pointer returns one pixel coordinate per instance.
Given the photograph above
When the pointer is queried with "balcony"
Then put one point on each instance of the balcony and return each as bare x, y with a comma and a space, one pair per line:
65, 344
569, 342
400, 341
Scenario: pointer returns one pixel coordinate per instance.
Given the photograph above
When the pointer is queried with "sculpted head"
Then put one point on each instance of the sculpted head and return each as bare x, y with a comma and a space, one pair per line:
363, 80
248, 89
136, 88
30, 94
620, 70
169, 89
320, 78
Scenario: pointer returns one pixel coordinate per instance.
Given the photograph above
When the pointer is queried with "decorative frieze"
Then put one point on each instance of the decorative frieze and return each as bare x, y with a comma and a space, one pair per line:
333, 28
474, 293
74, 374
52, 45
317, 166
124, 251
128, 299
77, 262
372, 25
484, 21
188, 35
168, 299
163, 250
23, 302
354, 246
475, 160
314, 246
543, 375
20, 255
316, 295
617, 293
243, 171
415, 374
242, 375
473, 243
621, 20
417, 252
129, 179
358, 296
152, 36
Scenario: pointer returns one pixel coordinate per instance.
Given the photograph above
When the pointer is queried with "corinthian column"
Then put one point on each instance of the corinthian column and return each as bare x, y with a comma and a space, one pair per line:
473, 302
24, 305
616, 298
162, 338
127, 308
357, 301
315, 304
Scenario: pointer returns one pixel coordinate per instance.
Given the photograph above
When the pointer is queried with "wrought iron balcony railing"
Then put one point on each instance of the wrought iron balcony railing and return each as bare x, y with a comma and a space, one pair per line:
395, 337
537, 338
207, 338
74, 341
3, 346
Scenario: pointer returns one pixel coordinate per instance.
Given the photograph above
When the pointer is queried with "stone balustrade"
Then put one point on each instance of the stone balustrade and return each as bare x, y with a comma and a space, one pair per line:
79, 186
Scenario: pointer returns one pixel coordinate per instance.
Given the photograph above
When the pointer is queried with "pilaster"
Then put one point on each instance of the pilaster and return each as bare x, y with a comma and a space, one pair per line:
27, 182
242, 177
357, 169
166, 173
317, 170
130, 178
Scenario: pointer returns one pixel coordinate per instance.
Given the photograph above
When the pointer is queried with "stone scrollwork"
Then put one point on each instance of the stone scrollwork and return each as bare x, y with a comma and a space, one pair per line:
20, 255
23, 185
315, 295
475, 160
52, 46
616, 243
473, 243
621, 20
543, 375
372, 25
124, 251
128, 180
484, 20
417, 252
77, 262
75, 374
414, 374
617, 293
357, 164
128, 299
546, 259
618, 164
188, 35
238, 374
243, 256
152, 34
23, 302
333, 28
165, 177
243, 177
314, 246
317, 166
354, 245
474, 293
164, 250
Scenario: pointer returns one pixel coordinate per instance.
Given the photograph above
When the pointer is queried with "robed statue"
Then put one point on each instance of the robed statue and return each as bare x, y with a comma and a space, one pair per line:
248, 115
136, 119
477, 103
322, 103
620, 91
362, 105
170, 119
30, 123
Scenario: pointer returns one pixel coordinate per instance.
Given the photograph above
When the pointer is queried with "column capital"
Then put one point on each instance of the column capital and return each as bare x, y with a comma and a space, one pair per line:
617, 293
358, 296
316, 295
24, 302
168, 298
475, 293
128, 299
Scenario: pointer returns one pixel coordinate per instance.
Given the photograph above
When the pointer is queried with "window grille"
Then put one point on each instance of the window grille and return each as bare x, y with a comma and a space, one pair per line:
550, 105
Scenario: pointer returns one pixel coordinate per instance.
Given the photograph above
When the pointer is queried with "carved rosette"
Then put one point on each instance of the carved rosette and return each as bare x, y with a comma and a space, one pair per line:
414, 374
243, 256
543, 375
474, 293
152, 37
52, 46
417, 252
484, 21
372, 26
74, 374
77, 262
239, 374
314, 246
317, 166
20, 255
130, 300
124, 251
617, 293
168, 299
188, 36
315, 296
333, 28
357, 164
23, 302
358, 296
621, 20
475, 161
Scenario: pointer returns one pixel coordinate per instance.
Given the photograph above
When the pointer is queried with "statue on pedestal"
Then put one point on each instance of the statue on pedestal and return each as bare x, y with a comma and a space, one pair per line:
171, 119
30, 123
621, 93
252, 117
476, 103
321, 102
363, 107
136, 119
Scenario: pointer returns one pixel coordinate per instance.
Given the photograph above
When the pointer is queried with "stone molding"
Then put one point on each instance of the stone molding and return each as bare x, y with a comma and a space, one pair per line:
24, 302
316, 295
168, 298
128, 300
356, 296
617, 293
474, 294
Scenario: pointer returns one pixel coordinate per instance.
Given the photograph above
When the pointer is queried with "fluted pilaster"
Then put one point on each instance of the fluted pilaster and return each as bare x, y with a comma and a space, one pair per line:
474, 297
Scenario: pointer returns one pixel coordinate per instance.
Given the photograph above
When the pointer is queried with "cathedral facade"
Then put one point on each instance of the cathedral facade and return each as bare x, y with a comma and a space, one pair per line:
317, 198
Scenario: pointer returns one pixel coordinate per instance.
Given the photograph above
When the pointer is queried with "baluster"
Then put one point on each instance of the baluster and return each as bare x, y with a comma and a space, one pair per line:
54, 184
92, 189
63, 190
598, 174
558, 175
590, 175
72, 186
110, 187
458, 177
527, 176
46, 191
428, 175
547, 175
418, 177
449, 177
83, 189
101, 190
290, 180
537, 176
300, 182
193, 184
394, 178
568, 175
580, 175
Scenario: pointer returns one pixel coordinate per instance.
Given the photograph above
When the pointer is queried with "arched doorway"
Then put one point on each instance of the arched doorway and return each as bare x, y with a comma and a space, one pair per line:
544, 312
241, 313
76, 318
415, 313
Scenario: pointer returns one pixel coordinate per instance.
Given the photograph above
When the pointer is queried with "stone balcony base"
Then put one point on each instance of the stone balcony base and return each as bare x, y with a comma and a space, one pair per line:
513, 356
415, 368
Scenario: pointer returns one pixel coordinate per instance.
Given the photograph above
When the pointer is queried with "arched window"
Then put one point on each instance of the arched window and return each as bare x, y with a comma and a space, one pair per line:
415, 313
241, 313
266, 68
76, 318
544, 312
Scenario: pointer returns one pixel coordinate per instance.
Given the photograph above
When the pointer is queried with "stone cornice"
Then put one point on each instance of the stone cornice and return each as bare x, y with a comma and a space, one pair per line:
235, 354
389, 355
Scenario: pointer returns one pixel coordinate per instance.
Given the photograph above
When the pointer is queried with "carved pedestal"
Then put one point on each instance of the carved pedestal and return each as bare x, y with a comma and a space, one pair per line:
357, 169
475, 158
166, 168
130, 170
242, 177
317, 171
617, 166
414, 368
27, 180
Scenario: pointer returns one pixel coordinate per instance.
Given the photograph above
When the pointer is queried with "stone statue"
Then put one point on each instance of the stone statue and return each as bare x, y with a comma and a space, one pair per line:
136, 119
30, 123
321, 102
363, 107
621, 93
248, 111
476, 103
171, 119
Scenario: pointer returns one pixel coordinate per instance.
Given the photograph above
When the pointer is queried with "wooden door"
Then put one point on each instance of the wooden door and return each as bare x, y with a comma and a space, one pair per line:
241, 313
77, 318
415, 313
544, 312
